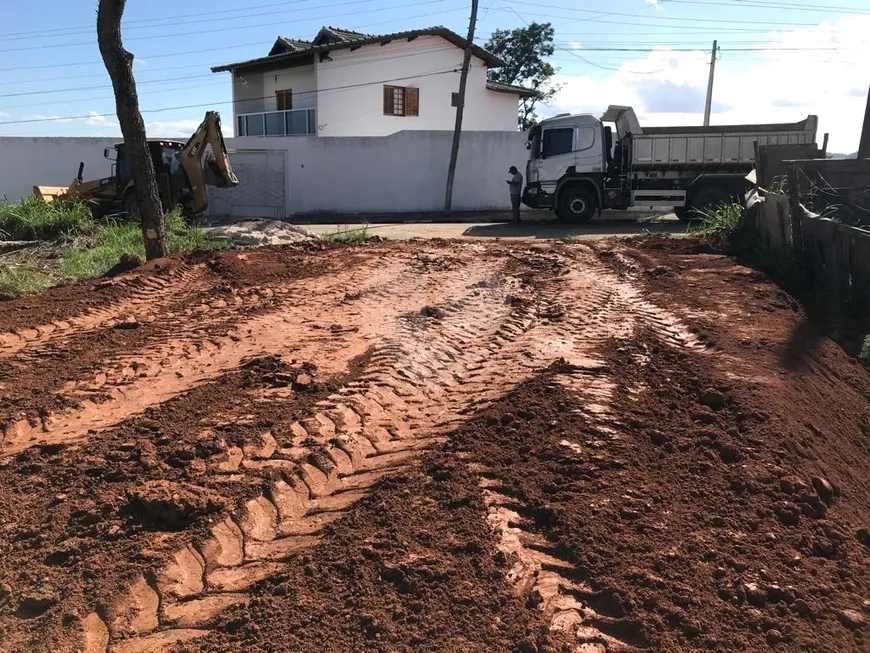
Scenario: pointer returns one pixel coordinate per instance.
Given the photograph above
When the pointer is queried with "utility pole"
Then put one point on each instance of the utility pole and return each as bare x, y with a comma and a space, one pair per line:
864, 147
460, 110
709, 104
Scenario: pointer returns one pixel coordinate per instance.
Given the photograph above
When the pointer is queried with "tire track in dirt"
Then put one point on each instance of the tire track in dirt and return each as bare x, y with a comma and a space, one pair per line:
146, 292
585, 310
371, 427
364, 300
475, 341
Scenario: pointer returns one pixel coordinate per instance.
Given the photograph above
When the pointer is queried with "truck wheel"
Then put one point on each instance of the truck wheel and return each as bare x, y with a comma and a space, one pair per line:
576, 205
707, 199
131, 207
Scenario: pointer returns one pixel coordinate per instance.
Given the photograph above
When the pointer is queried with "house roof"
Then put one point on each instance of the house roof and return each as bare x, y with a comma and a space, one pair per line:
284, 45
498, 87
333, 38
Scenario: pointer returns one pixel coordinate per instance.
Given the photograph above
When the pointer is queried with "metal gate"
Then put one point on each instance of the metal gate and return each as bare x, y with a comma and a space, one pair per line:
261, 189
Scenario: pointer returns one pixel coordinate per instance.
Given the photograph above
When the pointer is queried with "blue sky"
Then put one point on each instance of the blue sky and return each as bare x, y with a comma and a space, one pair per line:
50, 66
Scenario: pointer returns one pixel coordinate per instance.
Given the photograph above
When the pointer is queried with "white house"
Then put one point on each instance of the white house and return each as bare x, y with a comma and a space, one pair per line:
346, 83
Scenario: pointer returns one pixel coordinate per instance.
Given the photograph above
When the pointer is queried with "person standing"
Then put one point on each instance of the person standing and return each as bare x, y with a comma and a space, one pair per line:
516, 186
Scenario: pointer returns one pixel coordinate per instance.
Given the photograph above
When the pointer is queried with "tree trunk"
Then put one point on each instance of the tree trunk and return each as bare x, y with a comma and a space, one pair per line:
119, 64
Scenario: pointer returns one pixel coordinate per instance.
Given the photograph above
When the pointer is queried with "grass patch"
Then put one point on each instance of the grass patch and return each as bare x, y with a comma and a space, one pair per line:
21, 279
93, 255
33, 219
348, 236
723, 223
83, 248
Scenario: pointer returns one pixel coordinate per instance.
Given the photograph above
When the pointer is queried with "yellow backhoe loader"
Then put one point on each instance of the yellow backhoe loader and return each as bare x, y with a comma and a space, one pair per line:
184, 171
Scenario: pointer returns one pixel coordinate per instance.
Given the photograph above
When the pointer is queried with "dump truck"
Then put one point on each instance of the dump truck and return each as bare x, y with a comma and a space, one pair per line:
578, 168
184, 171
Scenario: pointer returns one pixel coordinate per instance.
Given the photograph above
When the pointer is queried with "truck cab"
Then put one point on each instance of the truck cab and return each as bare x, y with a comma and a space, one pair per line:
561, 149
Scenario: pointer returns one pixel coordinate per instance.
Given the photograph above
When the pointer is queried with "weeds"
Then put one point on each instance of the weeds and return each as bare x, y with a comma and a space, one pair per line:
86, 248
724, 223
348, 236
21, 279
34, 219
93, 255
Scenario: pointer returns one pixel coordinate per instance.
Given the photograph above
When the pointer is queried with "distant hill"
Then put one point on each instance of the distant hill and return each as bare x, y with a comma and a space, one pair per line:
834, 155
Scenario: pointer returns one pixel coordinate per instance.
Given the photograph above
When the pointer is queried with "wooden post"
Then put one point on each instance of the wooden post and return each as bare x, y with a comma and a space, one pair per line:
864, 147
795, 214
460, 109
709, 105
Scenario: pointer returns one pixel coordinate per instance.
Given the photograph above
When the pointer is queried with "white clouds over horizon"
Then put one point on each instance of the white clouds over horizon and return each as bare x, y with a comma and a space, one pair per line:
775, 84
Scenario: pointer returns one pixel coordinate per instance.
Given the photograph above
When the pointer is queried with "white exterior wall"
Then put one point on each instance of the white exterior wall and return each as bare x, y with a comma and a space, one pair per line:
359, 110
302, 81
401, 173
28, 162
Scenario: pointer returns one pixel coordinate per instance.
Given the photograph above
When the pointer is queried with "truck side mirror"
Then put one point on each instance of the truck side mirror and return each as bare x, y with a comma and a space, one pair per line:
107, 153
528, 145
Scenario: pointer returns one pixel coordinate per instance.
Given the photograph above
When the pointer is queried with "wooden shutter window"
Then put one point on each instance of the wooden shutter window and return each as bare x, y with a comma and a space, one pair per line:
412, 101
388, 100
284, 99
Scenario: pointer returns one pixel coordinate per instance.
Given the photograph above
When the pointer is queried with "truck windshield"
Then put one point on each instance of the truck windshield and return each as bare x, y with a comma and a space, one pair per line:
558, 141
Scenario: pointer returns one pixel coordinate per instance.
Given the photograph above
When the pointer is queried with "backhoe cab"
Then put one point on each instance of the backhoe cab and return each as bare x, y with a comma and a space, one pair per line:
184, 172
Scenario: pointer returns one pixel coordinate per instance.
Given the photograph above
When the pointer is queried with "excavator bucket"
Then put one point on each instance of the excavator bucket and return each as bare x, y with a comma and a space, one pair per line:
215, 170
49, 193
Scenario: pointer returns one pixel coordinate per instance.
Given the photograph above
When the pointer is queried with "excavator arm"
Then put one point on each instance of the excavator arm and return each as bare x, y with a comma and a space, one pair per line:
204, 171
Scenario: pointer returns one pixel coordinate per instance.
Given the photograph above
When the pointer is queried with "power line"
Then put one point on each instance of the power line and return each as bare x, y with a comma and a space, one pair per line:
135, 24
575, 19
775, 5
221, 80
664, 18
200, 51
236, 28
103, 74
209, 104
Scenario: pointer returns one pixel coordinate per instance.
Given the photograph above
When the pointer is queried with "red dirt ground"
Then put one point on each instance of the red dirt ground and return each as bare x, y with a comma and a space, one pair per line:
447, 447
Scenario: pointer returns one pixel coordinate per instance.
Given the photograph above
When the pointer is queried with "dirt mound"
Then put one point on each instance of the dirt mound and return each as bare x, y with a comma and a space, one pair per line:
456, 447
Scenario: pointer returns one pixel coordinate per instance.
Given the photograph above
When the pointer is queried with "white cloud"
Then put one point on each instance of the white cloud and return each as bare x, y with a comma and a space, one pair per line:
575, 45
654, 3
175, 128
773, 85
96, 119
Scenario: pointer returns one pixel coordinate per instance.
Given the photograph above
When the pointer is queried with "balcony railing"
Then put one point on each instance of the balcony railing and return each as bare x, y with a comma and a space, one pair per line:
297, 122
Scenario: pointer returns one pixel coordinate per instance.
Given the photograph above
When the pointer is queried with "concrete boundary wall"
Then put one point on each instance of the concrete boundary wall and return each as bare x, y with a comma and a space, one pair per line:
402, 173
26, 162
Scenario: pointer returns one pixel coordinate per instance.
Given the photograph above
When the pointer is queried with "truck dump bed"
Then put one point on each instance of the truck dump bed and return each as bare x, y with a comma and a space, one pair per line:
715, 146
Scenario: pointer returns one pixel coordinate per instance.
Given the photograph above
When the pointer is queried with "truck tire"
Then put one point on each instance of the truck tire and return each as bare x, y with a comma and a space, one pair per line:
576, 205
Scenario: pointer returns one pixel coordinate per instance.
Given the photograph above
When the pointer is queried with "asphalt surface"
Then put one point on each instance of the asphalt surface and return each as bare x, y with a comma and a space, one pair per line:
606, 227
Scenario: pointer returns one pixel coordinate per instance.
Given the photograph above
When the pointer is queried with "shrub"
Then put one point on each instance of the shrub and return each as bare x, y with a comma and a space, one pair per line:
34, 219
724, 224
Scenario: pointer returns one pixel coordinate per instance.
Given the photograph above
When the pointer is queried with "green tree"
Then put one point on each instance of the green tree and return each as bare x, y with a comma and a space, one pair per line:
525, 51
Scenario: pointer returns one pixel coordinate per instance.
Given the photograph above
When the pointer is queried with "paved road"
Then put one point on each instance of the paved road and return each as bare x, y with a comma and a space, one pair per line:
537, 230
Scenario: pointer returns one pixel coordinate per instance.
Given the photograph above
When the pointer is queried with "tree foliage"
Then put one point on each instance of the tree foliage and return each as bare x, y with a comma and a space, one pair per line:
525, 51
